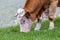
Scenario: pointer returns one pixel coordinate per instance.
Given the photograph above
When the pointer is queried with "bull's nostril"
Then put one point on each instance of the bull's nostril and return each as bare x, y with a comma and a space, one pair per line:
23, 21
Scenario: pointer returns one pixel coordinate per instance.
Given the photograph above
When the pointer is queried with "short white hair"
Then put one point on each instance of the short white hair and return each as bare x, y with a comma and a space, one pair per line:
21, 11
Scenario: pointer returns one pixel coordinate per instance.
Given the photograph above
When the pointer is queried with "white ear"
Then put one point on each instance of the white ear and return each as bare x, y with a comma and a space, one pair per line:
21, 12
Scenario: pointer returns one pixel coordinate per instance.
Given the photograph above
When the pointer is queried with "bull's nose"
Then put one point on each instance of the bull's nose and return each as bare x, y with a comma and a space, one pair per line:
23, 22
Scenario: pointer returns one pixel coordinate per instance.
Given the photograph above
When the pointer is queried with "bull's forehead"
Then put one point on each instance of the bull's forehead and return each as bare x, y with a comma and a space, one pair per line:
21, 11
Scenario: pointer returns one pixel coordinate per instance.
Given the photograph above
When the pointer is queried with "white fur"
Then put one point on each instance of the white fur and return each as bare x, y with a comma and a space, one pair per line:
21, 12
51, 26
26, 26
38, 26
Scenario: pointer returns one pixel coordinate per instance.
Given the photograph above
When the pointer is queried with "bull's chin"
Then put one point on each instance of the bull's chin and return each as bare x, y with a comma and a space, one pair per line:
26, 27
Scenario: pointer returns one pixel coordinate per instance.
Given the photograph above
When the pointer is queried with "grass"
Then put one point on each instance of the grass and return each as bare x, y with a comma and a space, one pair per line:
12, 33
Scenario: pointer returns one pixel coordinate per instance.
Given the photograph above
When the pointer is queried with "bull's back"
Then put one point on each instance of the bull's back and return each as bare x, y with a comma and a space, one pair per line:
32, 5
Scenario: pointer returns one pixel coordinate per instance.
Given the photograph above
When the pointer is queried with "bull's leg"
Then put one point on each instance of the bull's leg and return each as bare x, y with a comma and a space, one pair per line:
52, 10
45, 14
39, 19
51, 25
38, 25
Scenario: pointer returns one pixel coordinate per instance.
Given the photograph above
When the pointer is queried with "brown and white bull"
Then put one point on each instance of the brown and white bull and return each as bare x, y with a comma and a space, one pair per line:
33, 10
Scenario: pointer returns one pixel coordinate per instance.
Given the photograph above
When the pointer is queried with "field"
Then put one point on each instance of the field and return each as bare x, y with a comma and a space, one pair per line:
12, 33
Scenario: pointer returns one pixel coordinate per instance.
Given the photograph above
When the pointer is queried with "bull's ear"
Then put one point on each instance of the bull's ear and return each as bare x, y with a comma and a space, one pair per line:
27, 14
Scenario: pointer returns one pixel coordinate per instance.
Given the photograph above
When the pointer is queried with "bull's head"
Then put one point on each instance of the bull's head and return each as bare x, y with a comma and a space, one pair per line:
23, 20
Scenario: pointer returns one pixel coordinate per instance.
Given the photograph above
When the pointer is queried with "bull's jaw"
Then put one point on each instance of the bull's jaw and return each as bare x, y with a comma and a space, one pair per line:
25, 24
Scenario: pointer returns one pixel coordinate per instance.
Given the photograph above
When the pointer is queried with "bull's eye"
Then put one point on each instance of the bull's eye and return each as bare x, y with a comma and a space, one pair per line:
23, 21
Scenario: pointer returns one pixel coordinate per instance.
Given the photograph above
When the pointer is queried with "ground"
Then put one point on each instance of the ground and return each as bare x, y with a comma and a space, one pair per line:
12, 33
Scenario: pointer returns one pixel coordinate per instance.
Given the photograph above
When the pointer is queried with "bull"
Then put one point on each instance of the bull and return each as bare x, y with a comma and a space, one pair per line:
33, 10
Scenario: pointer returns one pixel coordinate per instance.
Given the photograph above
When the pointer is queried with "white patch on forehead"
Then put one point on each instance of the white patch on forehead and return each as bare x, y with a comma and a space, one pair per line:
21, 12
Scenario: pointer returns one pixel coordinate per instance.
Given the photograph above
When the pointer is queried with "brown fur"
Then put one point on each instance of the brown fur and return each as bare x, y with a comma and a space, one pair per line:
52, 5
36, 7
58, 2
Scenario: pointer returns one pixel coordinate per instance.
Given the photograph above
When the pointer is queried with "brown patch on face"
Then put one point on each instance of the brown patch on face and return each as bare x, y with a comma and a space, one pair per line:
33, 17
27, 15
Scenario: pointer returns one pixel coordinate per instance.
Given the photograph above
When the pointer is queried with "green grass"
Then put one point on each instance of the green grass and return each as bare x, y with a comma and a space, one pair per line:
12, 33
